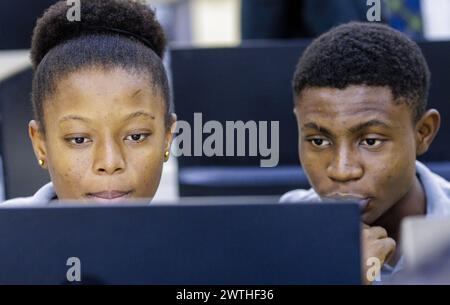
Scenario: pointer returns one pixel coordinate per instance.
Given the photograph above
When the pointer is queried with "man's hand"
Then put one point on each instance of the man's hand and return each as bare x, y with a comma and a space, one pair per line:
377, 248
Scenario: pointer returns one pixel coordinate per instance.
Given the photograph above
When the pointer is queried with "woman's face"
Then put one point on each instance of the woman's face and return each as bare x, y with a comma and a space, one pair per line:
105, 136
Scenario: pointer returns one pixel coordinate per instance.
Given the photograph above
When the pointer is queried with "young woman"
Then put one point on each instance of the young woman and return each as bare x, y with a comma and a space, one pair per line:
100, 96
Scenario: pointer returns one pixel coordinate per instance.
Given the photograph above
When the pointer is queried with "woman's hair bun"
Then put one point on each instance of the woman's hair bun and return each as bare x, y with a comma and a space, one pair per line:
128, 17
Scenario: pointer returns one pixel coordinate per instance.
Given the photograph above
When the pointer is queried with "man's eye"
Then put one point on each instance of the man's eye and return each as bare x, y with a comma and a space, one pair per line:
137, 137
319, 142
371, 142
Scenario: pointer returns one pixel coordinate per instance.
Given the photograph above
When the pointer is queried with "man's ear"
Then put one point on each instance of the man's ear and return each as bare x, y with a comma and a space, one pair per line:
37, 139
426, 129
170, 131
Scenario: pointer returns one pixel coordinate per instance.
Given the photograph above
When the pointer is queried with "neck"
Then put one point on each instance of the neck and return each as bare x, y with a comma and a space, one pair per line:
413, 203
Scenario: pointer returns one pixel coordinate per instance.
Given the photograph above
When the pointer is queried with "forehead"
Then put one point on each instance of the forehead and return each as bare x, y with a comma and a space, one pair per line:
97, 91
353, 104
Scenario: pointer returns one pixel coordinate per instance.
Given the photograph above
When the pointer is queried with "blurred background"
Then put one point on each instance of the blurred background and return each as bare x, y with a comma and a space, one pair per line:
230, 60
228, 22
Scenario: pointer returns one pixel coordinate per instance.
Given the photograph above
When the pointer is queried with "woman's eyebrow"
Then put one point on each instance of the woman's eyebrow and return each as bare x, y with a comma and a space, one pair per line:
139, 114
74, 117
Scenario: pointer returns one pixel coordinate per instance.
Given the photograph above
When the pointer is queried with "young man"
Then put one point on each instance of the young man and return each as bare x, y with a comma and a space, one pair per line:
360, 102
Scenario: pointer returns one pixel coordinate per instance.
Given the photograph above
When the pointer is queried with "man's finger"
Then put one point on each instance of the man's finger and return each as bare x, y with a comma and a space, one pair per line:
374, 233
384, 248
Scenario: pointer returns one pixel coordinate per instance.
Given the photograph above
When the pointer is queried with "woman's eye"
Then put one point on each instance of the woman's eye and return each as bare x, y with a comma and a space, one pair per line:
371, 142
319, 142
137, 137
78, 140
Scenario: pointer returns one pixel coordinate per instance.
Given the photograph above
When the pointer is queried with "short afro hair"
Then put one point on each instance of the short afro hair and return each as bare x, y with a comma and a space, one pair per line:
110, 34
369, 54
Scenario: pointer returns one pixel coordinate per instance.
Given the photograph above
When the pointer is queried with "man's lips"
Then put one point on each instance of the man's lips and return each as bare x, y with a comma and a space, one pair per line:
109, 195
362, 200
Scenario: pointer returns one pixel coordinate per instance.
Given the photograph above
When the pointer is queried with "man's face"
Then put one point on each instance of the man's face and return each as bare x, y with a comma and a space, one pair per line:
357, 143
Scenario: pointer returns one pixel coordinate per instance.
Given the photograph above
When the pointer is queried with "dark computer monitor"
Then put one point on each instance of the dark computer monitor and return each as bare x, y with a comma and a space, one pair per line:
22, 176
17, 20
266, 243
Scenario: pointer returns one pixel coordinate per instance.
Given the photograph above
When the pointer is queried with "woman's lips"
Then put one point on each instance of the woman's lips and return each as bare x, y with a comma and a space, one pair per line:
109, 196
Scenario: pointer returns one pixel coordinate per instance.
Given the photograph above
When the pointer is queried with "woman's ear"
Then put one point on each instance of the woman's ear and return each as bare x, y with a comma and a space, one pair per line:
426, 129
170, 131
38, 142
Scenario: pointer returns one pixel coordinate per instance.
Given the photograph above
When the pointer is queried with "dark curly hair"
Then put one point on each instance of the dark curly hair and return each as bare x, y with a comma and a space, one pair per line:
111, 33
366, 54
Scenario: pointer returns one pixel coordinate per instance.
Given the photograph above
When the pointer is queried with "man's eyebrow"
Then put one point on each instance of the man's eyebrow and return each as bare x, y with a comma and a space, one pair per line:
139, 114
74, 117
356, 128
312, 125
371, 123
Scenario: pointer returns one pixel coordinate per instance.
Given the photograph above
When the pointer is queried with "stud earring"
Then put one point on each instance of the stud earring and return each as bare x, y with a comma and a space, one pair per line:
166, 156
41, 162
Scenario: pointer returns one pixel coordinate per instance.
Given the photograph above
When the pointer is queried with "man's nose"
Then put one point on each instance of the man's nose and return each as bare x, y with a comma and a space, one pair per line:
345, 166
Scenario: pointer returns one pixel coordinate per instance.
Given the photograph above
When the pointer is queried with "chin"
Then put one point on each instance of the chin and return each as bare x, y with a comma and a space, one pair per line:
369, 217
